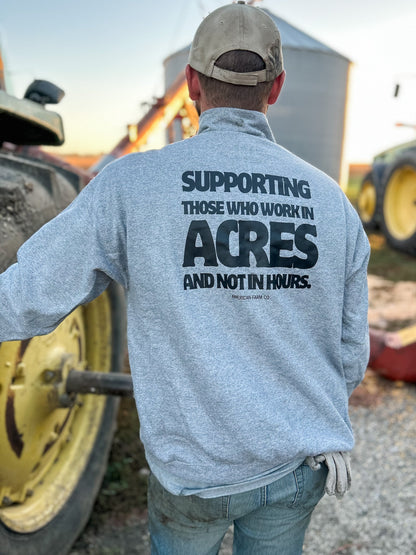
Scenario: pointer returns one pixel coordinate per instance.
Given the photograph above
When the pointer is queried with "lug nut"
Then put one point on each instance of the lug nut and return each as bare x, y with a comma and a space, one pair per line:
48, 375
66, 401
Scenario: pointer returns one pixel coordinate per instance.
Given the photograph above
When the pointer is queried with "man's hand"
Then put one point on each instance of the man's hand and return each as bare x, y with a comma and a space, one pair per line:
339, 471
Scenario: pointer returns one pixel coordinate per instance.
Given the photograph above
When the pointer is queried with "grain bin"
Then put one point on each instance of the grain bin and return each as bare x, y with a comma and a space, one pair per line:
309, 117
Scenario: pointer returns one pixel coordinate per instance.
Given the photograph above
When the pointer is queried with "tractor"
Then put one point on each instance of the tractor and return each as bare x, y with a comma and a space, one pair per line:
54, 440
387, 198
59, 392
387, 203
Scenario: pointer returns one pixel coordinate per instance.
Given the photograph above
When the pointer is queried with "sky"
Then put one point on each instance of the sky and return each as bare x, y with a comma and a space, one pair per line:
108, 57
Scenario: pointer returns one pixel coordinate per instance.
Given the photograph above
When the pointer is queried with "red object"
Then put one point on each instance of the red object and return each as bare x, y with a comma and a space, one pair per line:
394, 364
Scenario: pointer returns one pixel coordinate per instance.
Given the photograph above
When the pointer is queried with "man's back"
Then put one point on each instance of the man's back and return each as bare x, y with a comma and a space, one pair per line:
237, 255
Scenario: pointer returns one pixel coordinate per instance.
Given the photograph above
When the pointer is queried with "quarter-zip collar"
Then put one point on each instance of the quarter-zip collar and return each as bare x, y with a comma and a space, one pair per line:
235, 120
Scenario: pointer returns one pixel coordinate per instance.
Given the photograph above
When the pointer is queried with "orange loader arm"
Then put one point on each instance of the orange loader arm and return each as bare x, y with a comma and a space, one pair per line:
174, 104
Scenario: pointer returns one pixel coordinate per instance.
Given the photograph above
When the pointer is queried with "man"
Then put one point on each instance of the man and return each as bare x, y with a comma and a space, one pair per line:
245, 274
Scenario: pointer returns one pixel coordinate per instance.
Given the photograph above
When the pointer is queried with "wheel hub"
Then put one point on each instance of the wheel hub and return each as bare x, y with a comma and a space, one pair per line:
35, 426
367, 201
400, 203
46, 434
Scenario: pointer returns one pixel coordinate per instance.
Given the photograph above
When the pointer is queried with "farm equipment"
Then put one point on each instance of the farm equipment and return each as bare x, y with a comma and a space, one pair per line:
387, 199
393, 354
53, 442
387, 203
55, 436
174, 106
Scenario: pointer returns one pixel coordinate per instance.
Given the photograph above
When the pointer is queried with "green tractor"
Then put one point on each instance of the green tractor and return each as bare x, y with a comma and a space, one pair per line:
387, 198
54, 438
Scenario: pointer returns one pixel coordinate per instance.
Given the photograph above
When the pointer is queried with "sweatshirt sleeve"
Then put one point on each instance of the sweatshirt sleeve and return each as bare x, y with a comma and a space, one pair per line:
66, 263
355, 346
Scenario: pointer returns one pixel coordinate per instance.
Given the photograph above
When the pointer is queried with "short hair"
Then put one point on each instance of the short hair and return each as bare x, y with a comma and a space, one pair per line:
221, 94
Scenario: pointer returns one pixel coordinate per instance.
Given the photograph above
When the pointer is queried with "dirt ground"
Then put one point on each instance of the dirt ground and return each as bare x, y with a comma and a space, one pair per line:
118, 524
392, 305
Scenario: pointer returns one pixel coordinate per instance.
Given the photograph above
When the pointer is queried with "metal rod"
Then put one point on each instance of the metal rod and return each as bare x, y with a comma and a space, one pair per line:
99, 383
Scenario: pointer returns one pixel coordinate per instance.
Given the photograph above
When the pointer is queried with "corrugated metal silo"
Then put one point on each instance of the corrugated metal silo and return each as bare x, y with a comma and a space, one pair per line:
309, 116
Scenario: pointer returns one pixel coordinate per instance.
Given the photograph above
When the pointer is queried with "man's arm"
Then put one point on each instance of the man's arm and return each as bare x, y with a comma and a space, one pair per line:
354, 344
68, 262
355, 340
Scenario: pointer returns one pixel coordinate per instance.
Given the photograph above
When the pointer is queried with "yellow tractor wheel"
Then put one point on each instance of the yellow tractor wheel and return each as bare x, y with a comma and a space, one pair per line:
367, 203
399, 206
54, 446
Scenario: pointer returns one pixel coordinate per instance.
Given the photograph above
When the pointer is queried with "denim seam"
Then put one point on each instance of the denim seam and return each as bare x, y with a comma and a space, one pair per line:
297, 488
265, 496
298, 475
226, 506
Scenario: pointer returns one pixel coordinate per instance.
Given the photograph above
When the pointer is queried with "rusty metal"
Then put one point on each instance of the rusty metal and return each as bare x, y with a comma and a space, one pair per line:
99, 383
2, 73
13, 434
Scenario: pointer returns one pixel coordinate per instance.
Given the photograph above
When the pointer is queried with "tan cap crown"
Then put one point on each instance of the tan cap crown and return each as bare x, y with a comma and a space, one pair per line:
237, 27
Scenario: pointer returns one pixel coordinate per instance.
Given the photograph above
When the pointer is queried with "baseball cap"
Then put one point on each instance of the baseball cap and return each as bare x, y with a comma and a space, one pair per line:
237, 27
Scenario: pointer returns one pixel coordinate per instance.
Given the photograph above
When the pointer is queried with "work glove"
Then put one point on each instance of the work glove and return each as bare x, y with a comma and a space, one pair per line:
339, 471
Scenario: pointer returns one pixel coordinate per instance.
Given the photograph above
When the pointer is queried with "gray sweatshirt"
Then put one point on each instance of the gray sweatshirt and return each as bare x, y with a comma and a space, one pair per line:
245, 274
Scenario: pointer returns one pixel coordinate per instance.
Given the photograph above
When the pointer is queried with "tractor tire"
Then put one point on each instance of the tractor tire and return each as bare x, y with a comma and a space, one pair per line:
53, 448
368, 203
399, 205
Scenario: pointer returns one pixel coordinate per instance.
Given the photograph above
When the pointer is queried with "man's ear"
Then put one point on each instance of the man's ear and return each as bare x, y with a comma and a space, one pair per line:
193, 83
277, 87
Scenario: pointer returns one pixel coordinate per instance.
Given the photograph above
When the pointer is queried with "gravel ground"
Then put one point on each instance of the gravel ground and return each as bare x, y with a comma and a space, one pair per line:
377, 516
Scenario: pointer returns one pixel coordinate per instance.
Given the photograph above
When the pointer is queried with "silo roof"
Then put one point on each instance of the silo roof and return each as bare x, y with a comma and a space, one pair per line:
297, 39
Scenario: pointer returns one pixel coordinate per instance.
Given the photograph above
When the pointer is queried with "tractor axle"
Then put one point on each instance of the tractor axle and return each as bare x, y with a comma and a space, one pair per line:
99, 383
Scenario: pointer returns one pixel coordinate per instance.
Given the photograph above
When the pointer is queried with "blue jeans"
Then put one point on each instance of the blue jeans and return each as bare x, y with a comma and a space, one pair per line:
271, 520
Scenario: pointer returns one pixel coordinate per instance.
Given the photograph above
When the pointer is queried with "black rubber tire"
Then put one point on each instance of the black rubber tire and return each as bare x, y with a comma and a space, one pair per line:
390, 222
369, 218
32, 192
